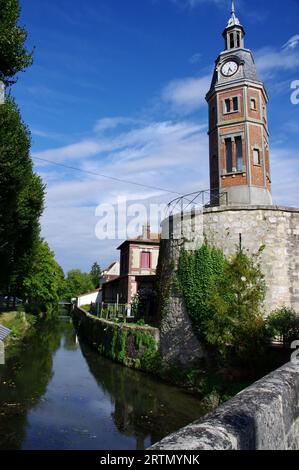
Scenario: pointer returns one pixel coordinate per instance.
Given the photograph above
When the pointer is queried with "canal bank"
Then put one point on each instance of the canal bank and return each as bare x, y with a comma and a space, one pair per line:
59, 394
20, 324
135, 346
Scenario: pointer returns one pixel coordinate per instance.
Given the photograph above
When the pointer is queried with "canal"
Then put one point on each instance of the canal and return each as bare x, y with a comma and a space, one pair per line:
58, 394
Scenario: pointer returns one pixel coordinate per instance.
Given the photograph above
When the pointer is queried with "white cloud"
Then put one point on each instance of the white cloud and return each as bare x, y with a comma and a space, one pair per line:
188, 94
166, 154
111, 123
292, 42
270, 60
285, 172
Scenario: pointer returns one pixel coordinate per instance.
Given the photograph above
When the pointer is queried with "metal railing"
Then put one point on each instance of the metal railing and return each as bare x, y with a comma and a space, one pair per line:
111, 311
193, 201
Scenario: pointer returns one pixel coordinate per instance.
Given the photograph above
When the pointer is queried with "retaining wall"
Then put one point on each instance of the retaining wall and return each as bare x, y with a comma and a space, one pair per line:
132, 345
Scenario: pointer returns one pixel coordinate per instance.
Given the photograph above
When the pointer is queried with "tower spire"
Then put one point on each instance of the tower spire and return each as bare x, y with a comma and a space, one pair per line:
233, 21
233, 8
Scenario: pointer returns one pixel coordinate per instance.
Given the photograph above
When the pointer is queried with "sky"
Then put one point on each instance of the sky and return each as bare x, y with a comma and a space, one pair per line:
118, 88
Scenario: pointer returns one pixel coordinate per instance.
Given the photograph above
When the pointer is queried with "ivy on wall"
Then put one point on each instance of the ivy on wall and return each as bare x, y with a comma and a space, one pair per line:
224, 300
134, 347
197, 273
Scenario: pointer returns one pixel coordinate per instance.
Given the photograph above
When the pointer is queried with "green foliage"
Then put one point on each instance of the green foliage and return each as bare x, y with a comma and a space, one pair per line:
86, 308
197, 273
135, 305
236, 301
44, 283
77, 283
123, 341
284, 322
14, 57
21, 200
18, 323
224, 300
95, 274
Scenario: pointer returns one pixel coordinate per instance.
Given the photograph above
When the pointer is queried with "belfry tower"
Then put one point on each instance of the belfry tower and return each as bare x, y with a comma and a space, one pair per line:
238, 127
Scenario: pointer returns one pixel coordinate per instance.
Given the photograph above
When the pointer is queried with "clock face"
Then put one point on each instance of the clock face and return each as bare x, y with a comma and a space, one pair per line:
229, 68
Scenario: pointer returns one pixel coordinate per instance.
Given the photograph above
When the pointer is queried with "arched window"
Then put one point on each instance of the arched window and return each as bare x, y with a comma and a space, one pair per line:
238, 40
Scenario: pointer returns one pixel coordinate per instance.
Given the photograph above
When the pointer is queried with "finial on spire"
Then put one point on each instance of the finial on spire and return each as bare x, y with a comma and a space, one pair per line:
233, 7
233, 21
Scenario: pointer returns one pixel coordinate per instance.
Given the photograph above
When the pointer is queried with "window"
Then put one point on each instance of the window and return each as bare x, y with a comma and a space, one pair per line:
253, 104
238, 39
227, 106
239, 150
229, 155
145, 260
236, 103
256, 157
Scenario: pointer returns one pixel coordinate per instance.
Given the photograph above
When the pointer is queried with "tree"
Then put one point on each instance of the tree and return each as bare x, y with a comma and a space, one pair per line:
95, 274
236, 301
14, 57
284, 322
77, 283
21, 198
44, 283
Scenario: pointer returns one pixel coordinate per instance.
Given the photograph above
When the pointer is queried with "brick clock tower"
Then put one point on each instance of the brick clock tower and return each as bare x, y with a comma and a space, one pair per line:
238, 127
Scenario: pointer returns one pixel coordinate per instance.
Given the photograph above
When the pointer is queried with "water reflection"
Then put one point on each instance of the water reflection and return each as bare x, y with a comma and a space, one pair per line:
58, 394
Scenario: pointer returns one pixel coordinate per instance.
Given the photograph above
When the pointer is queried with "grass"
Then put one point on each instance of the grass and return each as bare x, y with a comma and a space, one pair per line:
18, 323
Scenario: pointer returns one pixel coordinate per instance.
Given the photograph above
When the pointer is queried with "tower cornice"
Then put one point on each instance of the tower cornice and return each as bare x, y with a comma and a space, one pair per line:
236, 84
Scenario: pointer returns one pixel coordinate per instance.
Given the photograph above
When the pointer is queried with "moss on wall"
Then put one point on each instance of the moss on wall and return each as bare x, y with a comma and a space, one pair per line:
132, 345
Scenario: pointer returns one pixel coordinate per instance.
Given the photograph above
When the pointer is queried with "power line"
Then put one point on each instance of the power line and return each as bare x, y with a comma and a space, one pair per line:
112, 178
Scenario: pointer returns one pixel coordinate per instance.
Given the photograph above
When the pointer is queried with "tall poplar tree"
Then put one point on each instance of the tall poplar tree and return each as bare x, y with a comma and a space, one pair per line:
14, 56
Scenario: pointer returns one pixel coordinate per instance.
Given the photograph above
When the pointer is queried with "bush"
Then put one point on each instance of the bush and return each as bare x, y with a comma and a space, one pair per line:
284, 322
224, 299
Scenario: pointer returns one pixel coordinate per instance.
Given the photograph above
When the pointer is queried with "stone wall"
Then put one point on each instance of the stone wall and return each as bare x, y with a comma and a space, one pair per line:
264, 416
275, 228
132, 345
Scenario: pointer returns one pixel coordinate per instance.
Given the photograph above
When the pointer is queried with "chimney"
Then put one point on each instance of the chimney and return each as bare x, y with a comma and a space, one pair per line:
146, 232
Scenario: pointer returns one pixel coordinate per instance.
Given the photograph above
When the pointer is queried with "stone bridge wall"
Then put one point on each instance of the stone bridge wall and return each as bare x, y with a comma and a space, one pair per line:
264, 416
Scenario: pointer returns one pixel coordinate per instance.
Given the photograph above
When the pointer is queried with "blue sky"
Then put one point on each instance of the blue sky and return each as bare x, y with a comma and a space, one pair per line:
118, 88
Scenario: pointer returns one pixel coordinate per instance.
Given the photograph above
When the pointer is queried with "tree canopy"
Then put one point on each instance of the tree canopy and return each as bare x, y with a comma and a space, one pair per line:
44, 282
21, 198
95, 274
77, 283
14, 56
